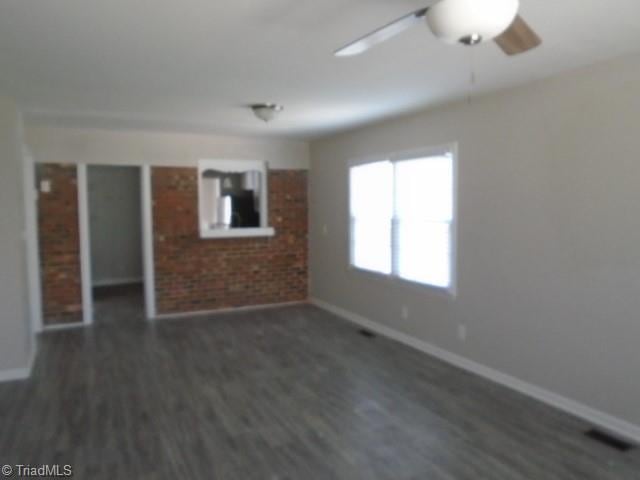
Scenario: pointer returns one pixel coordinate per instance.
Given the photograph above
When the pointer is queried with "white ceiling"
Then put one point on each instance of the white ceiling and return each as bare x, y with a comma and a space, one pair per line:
192, 65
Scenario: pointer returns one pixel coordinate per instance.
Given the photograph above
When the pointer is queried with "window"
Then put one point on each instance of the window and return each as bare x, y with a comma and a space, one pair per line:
402, 217
233, 198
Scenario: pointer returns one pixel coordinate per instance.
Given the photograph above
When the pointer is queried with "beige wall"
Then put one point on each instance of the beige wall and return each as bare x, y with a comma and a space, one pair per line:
51, 144
15, 335
549, 233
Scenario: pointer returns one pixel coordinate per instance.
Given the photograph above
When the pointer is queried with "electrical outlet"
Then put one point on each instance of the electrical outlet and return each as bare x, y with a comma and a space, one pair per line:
45, 186
404, 312
325, 230
462, 333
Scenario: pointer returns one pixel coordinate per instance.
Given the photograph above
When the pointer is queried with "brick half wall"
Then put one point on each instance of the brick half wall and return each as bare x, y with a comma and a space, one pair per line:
194, 274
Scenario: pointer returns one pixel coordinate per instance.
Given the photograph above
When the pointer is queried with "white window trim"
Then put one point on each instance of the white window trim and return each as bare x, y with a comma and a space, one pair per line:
393, 278
264, 230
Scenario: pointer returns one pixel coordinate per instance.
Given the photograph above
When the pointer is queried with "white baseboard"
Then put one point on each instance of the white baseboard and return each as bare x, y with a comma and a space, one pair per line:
63, 326
15, 374
20, 373
249, 308
604, 420
112, 282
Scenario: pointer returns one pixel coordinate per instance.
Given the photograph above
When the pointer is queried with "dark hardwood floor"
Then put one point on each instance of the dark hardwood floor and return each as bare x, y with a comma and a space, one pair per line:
291, 393
118, 303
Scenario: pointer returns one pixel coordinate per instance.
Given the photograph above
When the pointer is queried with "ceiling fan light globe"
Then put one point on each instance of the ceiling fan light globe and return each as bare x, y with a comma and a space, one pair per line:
266, 112
455, 20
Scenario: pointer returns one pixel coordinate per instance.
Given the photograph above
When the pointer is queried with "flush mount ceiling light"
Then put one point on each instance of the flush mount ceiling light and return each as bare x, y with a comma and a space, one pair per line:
266, 111
471, 21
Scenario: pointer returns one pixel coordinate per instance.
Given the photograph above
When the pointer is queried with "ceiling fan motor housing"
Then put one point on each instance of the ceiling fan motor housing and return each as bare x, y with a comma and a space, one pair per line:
471, 21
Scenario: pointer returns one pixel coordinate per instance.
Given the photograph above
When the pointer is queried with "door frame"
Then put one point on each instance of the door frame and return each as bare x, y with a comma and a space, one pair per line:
146, 190
146, 226
85, 244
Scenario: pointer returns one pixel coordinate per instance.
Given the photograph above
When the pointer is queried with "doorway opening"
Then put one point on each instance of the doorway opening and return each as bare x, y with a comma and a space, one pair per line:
115, 220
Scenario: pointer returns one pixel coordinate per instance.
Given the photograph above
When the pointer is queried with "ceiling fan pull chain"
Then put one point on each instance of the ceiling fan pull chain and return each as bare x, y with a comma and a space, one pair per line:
472, 74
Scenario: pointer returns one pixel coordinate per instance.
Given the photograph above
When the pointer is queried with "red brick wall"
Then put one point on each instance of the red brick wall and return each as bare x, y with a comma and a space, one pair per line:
206, 274
60, 245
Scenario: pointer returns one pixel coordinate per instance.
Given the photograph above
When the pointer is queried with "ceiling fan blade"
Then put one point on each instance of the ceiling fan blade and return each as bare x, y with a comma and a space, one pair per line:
518, 38
381, 34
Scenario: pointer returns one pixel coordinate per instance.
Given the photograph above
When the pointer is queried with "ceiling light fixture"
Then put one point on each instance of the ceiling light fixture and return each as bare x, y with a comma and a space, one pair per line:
471, 21
266, 111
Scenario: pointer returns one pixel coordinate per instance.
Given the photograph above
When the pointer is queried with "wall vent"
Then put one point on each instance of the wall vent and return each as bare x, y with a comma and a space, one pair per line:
609, 440
366, 333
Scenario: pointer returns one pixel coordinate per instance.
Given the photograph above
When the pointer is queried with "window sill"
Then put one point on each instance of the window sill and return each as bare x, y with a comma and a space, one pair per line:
238, 233
387, 279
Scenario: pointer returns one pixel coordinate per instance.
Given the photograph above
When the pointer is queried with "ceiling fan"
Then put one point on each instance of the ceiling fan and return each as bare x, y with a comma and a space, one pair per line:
469, 22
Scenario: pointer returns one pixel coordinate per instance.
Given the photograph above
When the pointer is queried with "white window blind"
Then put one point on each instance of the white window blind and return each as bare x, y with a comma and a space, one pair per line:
402, 218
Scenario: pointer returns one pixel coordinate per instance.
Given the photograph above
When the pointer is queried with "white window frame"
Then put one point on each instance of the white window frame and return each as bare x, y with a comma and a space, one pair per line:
393, 277
264, 230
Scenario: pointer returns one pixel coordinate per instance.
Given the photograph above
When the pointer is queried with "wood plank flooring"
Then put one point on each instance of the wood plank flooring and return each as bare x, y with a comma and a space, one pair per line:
291, 393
